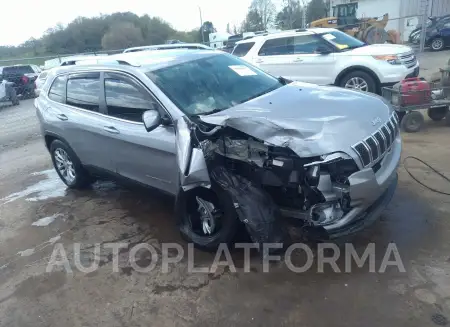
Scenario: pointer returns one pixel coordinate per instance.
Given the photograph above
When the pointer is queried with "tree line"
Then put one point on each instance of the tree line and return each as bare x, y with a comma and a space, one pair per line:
293, 14
123, 30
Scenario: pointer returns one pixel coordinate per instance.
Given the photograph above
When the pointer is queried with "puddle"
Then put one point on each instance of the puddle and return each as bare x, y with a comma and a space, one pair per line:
50, 187
46, 220
26, 253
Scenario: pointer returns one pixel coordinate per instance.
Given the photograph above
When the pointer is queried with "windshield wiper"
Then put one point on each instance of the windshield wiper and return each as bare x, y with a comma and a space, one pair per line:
209, 112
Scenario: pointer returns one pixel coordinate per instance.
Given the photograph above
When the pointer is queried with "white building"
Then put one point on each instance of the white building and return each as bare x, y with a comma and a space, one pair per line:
404, 15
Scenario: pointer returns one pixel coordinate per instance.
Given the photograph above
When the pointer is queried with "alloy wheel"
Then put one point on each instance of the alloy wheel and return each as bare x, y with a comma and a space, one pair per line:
209, 216
64, 165
357, 83
437, 44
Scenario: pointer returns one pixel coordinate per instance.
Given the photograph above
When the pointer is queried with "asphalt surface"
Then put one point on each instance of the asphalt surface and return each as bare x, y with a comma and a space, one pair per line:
37, 212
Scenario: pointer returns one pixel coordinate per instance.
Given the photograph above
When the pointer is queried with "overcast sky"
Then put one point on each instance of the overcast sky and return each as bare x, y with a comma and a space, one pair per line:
39, 15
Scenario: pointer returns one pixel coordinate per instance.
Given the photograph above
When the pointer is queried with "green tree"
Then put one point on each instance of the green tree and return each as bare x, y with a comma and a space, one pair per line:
207, 28
265, 10
290, 16
155, 30
316, 9
122, 35
253, 22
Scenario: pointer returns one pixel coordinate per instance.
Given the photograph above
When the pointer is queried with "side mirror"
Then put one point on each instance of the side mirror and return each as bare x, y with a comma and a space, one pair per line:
151, 119
321, 49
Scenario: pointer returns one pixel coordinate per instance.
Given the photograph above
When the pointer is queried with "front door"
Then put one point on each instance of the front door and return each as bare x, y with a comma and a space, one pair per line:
145, 157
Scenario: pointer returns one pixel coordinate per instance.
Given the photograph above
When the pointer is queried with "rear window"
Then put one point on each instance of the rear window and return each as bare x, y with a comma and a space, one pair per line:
43, 75
58, 89
278, 47
83, 92
18, 70
242, 49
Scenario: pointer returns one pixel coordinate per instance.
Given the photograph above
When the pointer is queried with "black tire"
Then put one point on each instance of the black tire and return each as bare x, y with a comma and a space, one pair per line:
82, 178
229, 221
437, 113
412, 122
359, 74
437, 44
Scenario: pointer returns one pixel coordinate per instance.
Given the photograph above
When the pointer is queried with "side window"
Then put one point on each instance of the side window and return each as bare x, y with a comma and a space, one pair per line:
277, 47
58, 89
126, 101
447, 25
84, 91
304, 44
242, 49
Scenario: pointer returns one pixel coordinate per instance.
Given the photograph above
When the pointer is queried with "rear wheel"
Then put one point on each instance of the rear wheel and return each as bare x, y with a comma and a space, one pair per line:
437, 113
359, 80
437, 44
68, 166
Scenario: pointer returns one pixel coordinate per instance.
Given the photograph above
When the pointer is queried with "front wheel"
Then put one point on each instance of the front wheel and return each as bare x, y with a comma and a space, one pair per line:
207, 217
412, 122
68, 166
437, 44
360, 81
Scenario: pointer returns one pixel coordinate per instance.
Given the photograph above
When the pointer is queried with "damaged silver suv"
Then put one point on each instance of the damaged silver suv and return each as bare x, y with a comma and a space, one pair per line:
234, 145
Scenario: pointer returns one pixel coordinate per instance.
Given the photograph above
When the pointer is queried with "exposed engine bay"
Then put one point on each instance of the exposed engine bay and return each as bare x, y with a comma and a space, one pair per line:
267, 181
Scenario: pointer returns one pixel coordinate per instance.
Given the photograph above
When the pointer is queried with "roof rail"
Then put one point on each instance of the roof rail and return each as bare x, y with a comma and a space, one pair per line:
98, 61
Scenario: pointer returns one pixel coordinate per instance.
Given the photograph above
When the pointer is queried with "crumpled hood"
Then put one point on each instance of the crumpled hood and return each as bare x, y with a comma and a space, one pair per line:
311, 120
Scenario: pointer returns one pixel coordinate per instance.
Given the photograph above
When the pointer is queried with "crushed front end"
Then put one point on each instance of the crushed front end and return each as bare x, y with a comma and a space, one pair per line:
330, 195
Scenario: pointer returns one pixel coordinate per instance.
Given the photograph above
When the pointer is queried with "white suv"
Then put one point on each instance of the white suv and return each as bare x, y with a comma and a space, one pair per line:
327, 56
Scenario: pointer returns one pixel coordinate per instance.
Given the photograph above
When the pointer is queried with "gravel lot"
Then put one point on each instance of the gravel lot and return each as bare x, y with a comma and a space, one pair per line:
37, 212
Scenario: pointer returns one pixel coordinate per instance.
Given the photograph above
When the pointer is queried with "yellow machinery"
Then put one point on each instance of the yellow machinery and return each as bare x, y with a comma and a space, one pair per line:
368, 30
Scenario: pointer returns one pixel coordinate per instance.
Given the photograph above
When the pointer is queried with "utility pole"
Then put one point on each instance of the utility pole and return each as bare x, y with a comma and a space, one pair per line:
304, 6
424, 4
201, 24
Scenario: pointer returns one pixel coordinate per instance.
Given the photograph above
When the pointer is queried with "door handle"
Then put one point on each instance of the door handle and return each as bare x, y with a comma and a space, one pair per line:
298, 60
111, 129
259, 61
61, 117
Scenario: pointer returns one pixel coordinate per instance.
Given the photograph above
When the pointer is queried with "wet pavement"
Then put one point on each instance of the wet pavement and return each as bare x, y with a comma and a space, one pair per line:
37, 212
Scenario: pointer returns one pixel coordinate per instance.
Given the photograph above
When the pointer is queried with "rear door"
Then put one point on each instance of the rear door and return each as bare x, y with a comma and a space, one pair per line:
311, 66
277, 57
85, 131
146, 157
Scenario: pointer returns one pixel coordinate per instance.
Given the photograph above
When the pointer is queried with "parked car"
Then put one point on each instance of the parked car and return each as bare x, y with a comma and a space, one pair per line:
190, 46
22, 77
232, 143
327, 56
437, 35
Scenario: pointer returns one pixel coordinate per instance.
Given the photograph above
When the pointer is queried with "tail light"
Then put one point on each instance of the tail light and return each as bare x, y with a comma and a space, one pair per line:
24, 79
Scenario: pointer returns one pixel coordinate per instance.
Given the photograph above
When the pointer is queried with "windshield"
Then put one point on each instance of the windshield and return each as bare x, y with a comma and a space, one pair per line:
212, 84
342, 40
